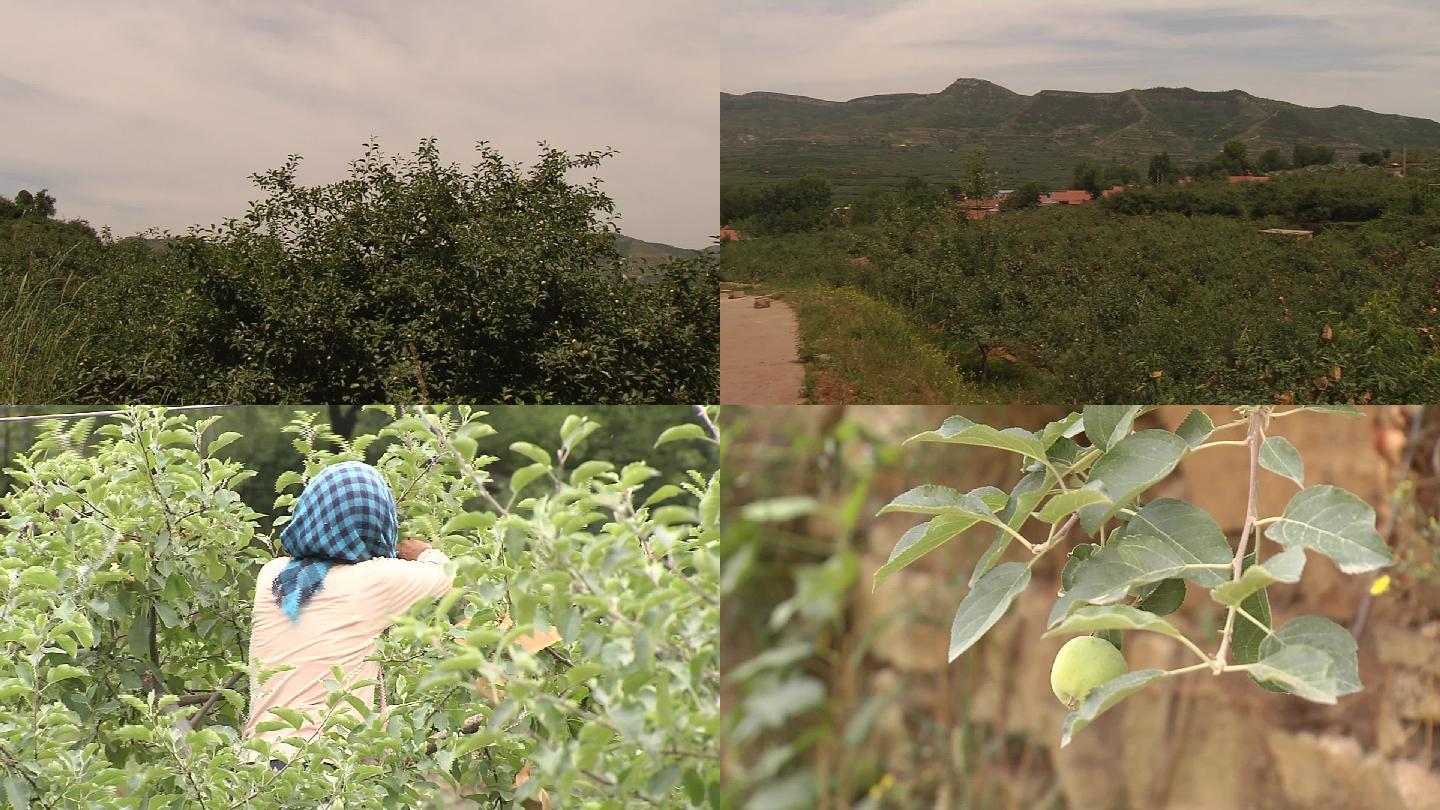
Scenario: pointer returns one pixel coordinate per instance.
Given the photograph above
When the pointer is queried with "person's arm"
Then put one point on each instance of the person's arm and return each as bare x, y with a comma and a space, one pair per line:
419, 572
412, 549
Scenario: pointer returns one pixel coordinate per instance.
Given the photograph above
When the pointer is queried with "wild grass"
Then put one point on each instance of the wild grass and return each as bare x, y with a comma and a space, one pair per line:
39, 351
864, 351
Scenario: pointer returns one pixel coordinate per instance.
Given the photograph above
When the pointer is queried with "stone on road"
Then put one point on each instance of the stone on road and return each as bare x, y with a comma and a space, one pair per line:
759, 360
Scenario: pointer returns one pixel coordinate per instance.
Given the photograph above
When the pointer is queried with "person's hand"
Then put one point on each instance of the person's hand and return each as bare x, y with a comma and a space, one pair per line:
410, 548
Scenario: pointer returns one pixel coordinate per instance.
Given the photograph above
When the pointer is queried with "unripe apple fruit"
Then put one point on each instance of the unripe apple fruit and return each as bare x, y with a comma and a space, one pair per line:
1083, 664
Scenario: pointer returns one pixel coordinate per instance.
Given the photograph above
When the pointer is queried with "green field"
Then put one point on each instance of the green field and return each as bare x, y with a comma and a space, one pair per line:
1168, 294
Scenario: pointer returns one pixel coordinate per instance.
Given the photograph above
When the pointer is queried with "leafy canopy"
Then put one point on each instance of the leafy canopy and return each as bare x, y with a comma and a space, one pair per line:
127, 576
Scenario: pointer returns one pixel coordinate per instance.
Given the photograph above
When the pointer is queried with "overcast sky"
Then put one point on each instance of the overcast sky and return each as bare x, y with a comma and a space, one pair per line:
156, 113
1383, 55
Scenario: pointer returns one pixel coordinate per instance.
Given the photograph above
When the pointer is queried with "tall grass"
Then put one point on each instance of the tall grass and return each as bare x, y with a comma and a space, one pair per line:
39, 346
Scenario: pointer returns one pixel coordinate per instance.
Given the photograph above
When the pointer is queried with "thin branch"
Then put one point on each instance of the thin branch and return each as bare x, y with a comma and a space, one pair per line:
709, 423
11, 763
1257, 420
194, 720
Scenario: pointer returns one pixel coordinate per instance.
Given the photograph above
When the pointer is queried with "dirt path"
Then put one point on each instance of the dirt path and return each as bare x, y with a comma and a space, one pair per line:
759, 363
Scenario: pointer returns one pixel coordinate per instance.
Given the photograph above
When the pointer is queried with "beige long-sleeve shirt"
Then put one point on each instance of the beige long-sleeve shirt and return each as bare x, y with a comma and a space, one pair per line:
340, 625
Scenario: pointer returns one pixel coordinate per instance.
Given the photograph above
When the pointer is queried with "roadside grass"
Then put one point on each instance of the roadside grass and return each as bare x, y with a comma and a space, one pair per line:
39, 346
860, 350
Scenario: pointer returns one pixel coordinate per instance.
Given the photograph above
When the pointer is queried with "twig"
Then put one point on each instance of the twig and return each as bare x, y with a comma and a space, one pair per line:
191, 722
12, 763
709, 423
1257, 419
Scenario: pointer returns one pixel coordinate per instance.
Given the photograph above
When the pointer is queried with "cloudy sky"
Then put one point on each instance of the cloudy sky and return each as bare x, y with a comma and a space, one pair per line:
156, 113
1383, 55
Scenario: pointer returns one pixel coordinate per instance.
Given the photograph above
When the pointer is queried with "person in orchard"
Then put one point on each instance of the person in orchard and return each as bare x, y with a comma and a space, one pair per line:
328, 602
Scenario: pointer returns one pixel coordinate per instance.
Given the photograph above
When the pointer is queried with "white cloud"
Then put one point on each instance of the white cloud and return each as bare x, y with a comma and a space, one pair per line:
141, 114
1379, 55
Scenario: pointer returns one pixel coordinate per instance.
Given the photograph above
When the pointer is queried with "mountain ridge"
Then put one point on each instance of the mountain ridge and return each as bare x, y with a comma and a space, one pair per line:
878, 139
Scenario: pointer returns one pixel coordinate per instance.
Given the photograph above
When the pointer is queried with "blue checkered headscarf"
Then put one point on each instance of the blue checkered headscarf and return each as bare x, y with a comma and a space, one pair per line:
345, 515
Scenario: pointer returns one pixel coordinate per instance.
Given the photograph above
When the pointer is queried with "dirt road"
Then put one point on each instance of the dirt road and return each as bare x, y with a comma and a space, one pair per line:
759, 363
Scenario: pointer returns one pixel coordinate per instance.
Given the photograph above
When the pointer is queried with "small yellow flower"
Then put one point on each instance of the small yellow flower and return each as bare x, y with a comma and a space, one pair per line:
882, 787
1380, 585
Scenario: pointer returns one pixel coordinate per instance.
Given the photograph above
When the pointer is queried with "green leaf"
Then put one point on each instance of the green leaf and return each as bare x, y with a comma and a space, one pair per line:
779, 510
921, 540
221, 441
132, 733
1329, 638
1279, 456
1060, 428
1078, 555
288, 479
1167, 597
682, 433
1283, 567
61, 672
291, 716
1028, 492
991, 556
1336, 524
1196, 428
1165, 539
933, 499
1344, 410
1066, 502
662, 493
1104, 697
1134, 465
40, 577
466, 521
18, 792
786, 699
534, 453
959, 430
1301, 670
983, 606
1113, 617
527, 475
1107, 425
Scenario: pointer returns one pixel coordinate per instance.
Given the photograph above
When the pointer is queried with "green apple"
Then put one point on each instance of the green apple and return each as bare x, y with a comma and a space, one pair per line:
1083, 664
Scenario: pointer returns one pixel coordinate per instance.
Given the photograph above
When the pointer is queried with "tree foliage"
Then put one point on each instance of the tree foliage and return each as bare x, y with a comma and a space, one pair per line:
130, 561
410, 279
1140, 547
803, 204
1170, 293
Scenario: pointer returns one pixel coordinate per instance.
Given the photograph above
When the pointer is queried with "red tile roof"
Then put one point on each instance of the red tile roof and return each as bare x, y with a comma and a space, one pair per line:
729, 233
1249, 178
1068, 197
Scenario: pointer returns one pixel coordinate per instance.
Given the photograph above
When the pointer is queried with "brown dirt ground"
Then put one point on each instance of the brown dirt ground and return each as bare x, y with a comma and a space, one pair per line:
759, 360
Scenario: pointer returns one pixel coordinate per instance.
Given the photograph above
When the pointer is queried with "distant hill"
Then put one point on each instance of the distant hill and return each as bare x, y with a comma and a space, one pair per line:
878, 140
638, 250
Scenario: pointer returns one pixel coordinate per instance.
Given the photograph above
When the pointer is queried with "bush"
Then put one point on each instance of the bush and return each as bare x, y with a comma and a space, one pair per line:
130, 562
411, 279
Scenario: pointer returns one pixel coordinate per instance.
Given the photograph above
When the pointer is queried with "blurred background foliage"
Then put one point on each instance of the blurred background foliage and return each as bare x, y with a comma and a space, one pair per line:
625, 434
838, 698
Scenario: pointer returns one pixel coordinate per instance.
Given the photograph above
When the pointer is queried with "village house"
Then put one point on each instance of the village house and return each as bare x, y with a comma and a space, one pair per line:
1068, 197
1249, 178
979, 209
727, 233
